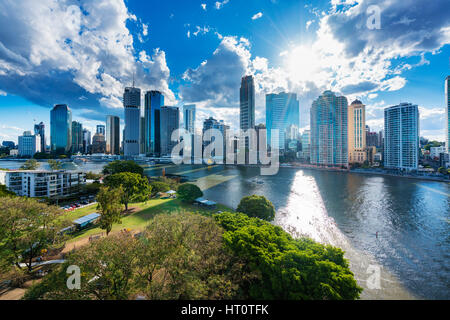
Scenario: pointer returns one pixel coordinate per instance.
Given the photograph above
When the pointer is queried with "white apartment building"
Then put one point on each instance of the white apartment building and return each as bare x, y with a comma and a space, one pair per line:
436, 151
40, 184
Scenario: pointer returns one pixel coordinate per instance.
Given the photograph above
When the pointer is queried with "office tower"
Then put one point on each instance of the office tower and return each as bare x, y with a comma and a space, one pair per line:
212, 123
154, 100
447, 113
86, 141
101, 129
306, 146
170, 121
189, 118
282, 110
247, 103
132, 105
142, 148
61, 129
329, 142
401, 142
29, 144
292, 138
98, 144
112, 135
77, 137
357, 132
39, 129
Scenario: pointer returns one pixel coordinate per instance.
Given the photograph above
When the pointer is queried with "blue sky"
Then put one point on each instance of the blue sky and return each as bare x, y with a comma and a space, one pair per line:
84, 52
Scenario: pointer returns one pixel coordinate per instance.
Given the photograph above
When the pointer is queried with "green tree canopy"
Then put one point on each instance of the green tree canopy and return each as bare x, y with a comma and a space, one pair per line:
4, 192
288, 268
31, 164
135, 187
55, 164
189, 192
158, 186
26, 226
123, 166
257, 206
110, 207
177, 257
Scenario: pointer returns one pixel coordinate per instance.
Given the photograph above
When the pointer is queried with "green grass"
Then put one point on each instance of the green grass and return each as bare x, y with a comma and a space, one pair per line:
149, 209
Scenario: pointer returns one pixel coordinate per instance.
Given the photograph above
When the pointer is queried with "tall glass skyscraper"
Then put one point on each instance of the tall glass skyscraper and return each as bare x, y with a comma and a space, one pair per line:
132, 105
447, 114
77, 137
61, 129
401, 142
329, 142
247, 103
112, 135
282, 110
170, 121
189, 117
101, 129
154, 100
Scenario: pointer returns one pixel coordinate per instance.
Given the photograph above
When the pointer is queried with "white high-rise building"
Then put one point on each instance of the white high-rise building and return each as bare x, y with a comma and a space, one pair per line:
189, 118
132, 105
29, 144
401, 142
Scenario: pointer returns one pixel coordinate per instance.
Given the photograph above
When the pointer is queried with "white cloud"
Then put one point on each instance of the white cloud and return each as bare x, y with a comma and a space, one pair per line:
257, 16
81, 47
219, 5
203, 5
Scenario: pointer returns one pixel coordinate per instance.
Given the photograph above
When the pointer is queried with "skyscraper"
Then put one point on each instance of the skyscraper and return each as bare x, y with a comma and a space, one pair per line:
357, 132
132, 105
447, 113
154, 100
189, 117
282, 110
77, 137
170, 121
112, 135
247, 103
142, 147
29, 144
61, 129
329, 142
212, 123
39, 129
101, 129
401, 141
98, 144
86, 141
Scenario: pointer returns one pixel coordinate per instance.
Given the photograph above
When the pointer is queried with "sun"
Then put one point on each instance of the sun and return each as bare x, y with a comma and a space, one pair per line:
302, 63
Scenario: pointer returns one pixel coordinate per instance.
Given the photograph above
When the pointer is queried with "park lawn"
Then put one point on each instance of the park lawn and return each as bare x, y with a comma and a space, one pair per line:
76, 214
147, 210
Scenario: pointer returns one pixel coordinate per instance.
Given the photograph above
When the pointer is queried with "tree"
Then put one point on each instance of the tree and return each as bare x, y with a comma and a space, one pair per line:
135, 187
55, 165
288, 269
93, 176
442, 170
26, 227
257, 206
123, 166
4, 192
158, 186
106, 272
110, 207
31, 164
189, 192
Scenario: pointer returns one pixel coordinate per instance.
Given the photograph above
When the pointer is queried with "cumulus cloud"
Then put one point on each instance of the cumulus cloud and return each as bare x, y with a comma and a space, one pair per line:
78, 52
219, 5
203, 5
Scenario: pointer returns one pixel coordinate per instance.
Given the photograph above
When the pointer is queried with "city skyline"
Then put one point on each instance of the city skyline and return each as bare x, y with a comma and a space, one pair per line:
280, 59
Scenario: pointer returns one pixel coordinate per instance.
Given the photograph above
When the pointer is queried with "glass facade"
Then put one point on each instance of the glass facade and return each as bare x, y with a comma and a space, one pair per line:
61, 129
401, 142
170, 121
154, 100
247, 103
329, 131
112, 135
189, 118
282, 110
132, 104
77, 137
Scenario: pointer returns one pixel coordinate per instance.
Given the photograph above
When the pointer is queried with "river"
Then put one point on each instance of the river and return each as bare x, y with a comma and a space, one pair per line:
398, 226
